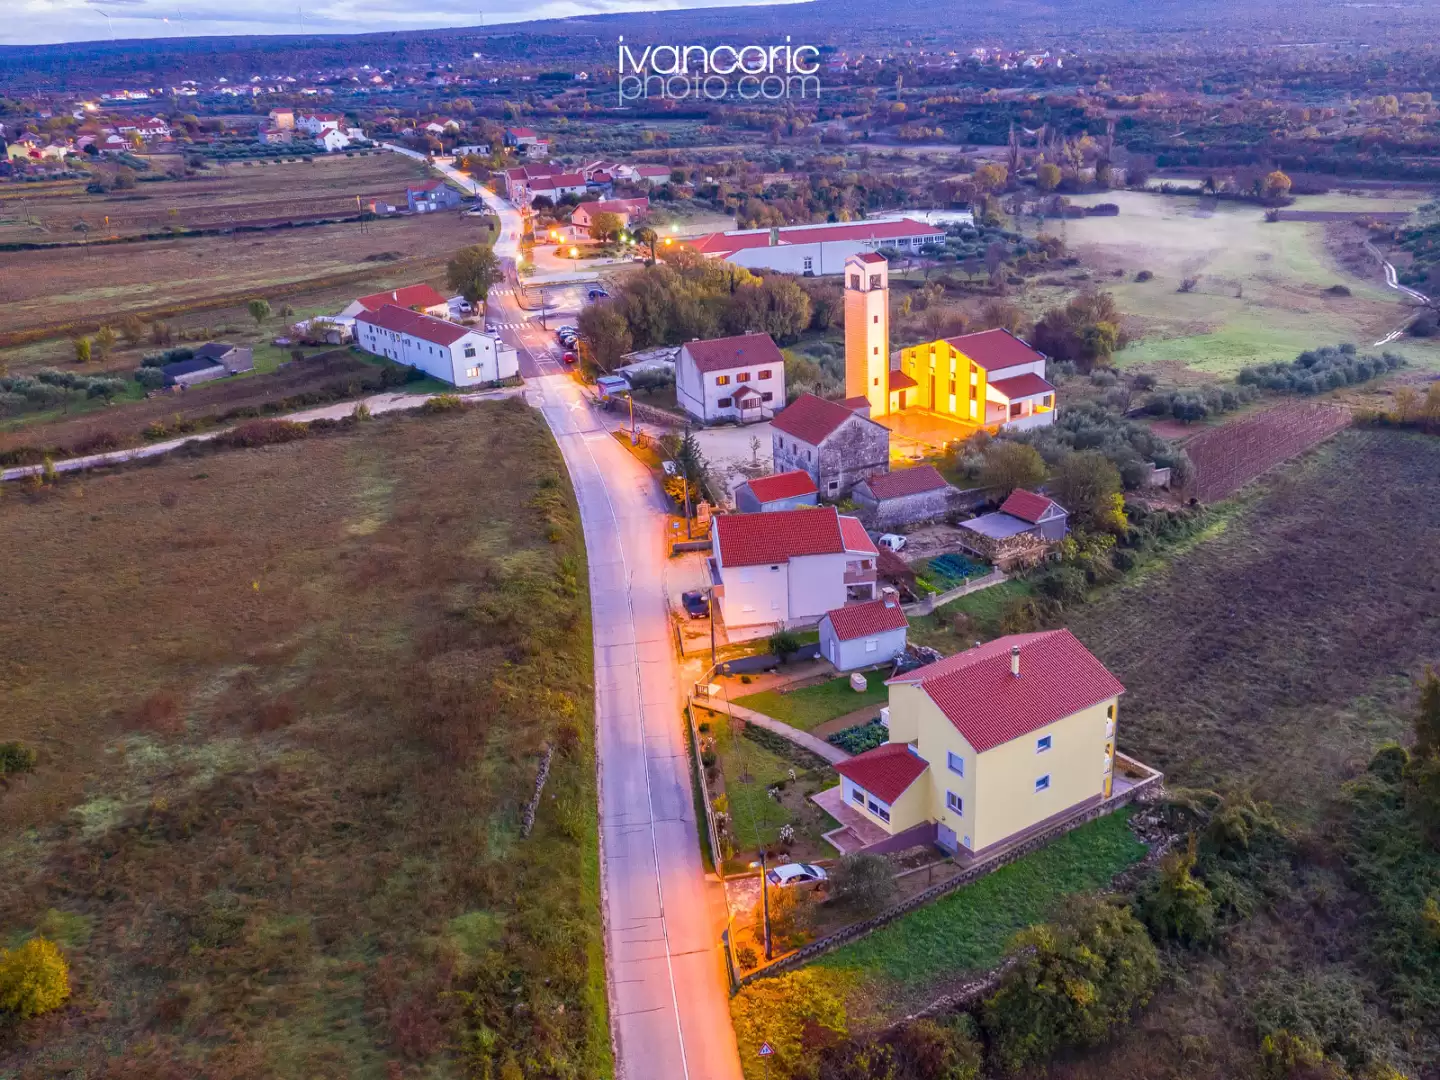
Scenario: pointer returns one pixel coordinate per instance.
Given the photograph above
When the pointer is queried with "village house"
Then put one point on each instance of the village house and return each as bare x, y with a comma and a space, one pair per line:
1019, 533
736, 378
836, 445
904, 497
864, 635
985, 748
789, 567
554, 187
652, 175
814, 250
431, 196
583, 216
525, 141
421, 298
446, 350
332, 141
316, 124
283, 119
214, 360
779, 491
990, 379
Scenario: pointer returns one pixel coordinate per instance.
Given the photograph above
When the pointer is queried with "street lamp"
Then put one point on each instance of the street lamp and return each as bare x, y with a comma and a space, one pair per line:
574, 253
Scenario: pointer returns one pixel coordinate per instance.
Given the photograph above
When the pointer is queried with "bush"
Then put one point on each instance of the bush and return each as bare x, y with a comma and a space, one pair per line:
1073, 981
264, 433
442, 403
788, 1012
1174, 905
34, 979
1066, 585
785, 644
1144, 275
862, 882
16, 757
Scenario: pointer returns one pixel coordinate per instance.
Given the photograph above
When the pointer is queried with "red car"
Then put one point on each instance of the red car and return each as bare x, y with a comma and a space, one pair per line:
569, 358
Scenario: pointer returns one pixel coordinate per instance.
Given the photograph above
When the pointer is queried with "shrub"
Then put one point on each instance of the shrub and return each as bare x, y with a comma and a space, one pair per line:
784, 644
746, 958
1073, 981
1066, 585
442, 403
1174, 905
264, 433
34, 979
862, 882
16, 757
1123, 560
787, 1012
1144, 275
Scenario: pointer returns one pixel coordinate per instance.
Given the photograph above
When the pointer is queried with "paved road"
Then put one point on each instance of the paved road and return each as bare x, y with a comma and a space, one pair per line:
669, 1008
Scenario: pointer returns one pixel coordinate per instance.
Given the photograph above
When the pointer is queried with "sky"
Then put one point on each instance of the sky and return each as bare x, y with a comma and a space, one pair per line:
36, 22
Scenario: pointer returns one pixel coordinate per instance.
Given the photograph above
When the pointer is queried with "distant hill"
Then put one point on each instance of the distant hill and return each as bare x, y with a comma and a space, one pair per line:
1083, 25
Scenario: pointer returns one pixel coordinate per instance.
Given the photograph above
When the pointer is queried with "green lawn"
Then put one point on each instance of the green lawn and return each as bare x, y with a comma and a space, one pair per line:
811, 706
749, 769
984, 608
968, 929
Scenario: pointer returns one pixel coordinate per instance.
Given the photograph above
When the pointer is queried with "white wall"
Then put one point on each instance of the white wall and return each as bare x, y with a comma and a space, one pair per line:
861, 652
473, 359
825, 257
817, 585
700, 394
755, 594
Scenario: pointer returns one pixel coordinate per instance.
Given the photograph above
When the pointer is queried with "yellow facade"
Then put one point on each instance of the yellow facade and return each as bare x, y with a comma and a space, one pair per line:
947, 381
997, 789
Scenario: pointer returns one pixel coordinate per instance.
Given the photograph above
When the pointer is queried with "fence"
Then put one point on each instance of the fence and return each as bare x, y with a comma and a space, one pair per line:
715, 855
967, 876
932, 601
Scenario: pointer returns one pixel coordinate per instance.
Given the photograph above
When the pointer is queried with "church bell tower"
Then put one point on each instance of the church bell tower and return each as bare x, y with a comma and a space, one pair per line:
867, 330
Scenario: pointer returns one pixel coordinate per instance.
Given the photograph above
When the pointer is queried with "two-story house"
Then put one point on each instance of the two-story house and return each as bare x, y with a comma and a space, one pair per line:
789, 567
452, 353
986, 747
991, 378
736, 378
836, 444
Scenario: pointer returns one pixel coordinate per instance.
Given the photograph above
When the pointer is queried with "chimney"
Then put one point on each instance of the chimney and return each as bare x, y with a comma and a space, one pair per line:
1015, 660
890, 595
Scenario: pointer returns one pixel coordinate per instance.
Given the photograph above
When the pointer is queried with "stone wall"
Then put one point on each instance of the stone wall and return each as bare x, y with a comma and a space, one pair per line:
856, 451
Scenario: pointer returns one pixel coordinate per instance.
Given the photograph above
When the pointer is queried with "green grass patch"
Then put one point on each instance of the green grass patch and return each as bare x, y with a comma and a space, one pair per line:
968, 929
985, 609
750, 769
811, 706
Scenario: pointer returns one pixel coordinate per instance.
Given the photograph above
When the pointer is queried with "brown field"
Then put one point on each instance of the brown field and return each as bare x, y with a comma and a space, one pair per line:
1274, 658
220, 196
127, 420
289, 705
1230, 456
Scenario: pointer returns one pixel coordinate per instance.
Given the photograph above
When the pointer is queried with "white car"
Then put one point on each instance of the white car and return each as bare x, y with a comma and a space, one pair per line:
892, 541
797, 875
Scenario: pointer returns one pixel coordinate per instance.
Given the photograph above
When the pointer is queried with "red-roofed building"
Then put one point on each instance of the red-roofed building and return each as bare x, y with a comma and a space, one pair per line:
826, 245
450, 352
583, 216
987, 748
780, 491
1020, 532
554, 187
837, 445
421, 298
904, 497
990, 379
789, 567
864, 635
735, 378
526, 141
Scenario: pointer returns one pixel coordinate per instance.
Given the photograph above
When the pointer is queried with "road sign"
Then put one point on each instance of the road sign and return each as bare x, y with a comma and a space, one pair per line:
766, 1049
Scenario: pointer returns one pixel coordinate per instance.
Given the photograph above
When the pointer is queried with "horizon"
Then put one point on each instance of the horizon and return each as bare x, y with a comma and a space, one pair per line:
73, 22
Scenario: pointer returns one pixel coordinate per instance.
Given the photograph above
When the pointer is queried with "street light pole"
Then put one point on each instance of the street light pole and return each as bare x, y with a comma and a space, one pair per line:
765, 903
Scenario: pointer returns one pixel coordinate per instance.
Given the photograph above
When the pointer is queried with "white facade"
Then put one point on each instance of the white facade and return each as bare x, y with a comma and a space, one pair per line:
795, 592
470, 360
861, 652
807, 260
332, 140
317, 125
711, 395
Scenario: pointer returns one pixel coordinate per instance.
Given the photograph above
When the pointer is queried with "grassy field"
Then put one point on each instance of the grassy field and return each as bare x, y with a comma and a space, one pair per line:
289, 706
811, 706
982, 611
1260, 291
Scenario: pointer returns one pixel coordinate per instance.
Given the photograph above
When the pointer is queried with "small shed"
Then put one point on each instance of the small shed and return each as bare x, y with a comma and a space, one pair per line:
780, 491
193, 371
233, 358
1019, 532
863, 635
904, 497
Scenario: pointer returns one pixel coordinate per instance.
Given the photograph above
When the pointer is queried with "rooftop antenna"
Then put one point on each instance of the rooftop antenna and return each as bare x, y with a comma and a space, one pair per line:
301, 8
110, 23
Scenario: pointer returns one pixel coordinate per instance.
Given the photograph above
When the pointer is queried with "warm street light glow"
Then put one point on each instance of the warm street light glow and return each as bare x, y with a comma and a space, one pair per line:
668, 241
574, 253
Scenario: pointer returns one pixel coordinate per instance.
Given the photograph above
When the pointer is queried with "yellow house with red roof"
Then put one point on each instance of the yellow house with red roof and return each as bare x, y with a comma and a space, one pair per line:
991, 379
985, 748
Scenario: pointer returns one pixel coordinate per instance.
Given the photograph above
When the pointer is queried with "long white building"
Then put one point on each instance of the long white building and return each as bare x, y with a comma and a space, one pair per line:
446, 350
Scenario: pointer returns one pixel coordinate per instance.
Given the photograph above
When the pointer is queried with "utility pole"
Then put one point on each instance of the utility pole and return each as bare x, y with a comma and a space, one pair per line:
765, 903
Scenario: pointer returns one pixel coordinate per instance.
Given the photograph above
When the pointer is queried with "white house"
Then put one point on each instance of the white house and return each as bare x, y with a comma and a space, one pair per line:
863, 635
735, 378
653, 175
790, 567
452, 353
421, 298
318, 123
766, 246
332, 140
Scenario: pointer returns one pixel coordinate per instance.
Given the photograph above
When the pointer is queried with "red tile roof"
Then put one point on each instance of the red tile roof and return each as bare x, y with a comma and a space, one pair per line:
855, 537
1022, 386
731, 353
756, 539
871, 257
902, 482
900, 381
411, 296
859, 401
989, 706
724, 243
862, 620
811, 419
785, 485
1027, 506
652, 170
424, 327
995, 350
522, 133
558, 180
612, 206
885, 772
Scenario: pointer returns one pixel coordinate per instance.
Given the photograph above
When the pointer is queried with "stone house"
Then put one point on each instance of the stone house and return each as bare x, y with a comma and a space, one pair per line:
836, 445
904, 497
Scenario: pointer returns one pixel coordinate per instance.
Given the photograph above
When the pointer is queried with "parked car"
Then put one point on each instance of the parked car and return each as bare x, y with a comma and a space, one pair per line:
569, 358
697, 604
597, 294
490, 328
892, 541
796, 875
